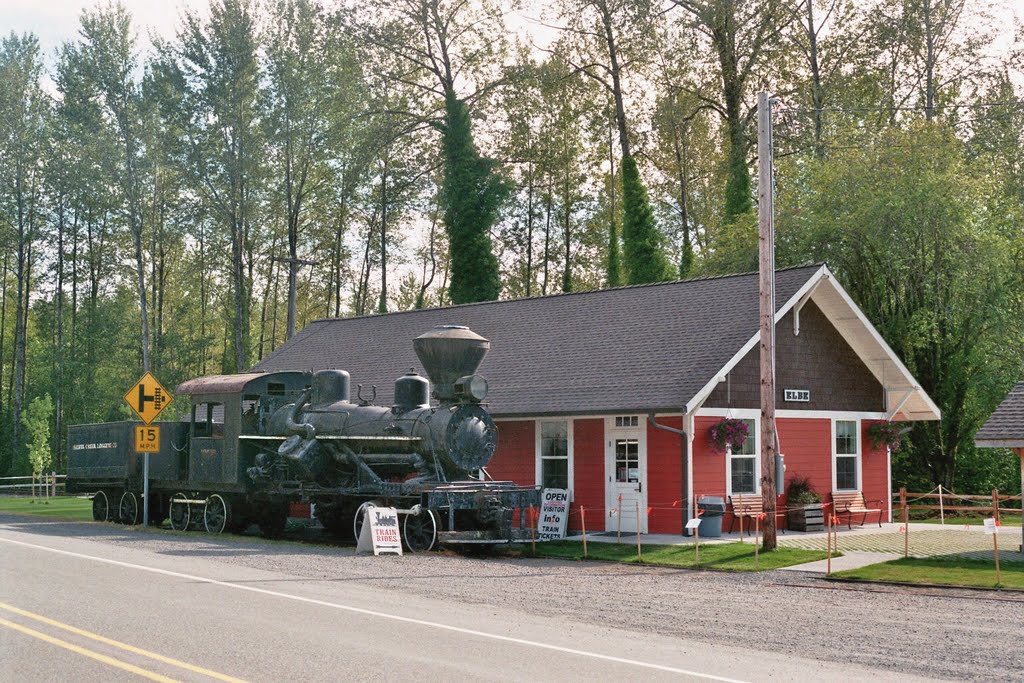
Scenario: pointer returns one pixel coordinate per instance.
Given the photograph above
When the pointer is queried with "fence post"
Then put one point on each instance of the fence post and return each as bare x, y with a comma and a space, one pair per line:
995, 504
942, 511
53, 481
906, 521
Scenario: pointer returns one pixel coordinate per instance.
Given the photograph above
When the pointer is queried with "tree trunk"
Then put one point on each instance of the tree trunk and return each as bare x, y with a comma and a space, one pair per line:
567, 234
547, 234
817, 95
929, 63
616, 73
382, 307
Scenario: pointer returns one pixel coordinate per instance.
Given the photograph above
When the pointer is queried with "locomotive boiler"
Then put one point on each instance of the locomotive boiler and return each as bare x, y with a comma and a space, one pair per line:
256, 442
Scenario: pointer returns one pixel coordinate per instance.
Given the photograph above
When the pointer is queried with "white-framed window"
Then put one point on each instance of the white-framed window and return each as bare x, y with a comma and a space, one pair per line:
744, 464
625, 421
846, 455
554, 453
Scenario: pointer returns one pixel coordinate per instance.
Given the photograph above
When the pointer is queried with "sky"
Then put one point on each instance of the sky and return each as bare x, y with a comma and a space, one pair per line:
55, 21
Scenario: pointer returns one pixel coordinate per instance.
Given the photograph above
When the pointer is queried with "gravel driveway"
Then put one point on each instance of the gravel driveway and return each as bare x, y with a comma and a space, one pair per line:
942, 633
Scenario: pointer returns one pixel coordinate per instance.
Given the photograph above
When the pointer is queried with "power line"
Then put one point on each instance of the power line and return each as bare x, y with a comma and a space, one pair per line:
917, 108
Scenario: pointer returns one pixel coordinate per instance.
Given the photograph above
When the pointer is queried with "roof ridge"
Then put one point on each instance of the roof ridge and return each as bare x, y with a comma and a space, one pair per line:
538, 297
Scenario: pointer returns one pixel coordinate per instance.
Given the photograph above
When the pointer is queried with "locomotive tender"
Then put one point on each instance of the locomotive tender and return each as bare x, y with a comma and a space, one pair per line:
256, 442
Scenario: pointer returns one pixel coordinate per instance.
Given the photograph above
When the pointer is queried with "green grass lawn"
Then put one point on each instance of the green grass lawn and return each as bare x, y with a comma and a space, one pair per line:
941, 572
725, 556
972, 520
63, 508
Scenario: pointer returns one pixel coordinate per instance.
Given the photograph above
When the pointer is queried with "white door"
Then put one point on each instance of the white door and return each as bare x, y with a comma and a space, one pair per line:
625, 475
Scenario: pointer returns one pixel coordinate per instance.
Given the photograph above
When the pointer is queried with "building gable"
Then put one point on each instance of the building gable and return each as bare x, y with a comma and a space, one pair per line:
817, 360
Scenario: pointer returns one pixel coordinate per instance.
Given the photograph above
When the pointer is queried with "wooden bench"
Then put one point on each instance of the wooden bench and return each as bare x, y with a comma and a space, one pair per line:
852, 503
748, 506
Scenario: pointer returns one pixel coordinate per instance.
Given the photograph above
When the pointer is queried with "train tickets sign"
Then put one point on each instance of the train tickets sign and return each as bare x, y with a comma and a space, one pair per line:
380, 532
554, 514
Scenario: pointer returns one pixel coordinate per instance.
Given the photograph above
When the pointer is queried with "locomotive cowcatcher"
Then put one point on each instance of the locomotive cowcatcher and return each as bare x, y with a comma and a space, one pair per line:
254, 443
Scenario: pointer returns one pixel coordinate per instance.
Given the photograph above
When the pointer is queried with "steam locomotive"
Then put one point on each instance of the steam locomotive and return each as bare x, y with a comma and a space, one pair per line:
254, 443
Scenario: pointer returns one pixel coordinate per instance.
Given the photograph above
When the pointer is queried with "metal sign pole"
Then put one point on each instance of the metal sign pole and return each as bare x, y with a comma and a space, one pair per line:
145, 490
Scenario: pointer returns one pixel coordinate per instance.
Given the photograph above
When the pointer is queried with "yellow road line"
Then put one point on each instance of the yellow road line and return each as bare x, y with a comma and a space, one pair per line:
88, 653
114, 643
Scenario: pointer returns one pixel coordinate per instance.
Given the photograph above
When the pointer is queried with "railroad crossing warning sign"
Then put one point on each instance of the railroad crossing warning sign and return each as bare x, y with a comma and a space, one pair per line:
147, 398
147, 439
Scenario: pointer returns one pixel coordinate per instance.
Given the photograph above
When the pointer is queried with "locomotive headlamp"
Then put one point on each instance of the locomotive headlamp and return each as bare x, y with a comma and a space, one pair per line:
471, 388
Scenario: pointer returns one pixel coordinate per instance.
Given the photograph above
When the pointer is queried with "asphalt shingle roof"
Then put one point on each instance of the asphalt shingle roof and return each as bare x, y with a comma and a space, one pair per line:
1007, 422
640, 348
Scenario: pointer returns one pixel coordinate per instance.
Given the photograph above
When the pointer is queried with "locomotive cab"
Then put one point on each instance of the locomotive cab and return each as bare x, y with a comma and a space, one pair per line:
226, 418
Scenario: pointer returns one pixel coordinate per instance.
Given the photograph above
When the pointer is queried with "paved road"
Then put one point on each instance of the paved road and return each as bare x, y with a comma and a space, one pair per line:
195, 607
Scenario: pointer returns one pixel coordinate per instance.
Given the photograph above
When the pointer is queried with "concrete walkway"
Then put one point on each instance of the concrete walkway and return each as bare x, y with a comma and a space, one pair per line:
849, 560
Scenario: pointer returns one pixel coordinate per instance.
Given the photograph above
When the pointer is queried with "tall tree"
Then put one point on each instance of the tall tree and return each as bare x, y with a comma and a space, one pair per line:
442, 45
743, 34
23, 111
909, 232
218, 73
602, 23
311, 72
109, 49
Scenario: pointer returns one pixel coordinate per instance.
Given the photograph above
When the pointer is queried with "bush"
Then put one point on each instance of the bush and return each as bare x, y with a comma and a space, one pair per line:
801, 492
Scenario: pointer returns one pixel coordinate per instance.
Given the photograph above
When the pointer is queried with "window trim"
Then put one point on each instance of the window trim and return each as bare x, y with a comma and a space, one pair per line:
858, 455
755, 416
539, 457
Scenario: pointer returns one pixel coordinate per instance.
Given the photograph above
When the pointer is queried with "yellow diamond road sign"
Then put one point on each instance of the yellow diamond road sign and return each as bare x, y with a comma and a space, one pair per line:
147, 398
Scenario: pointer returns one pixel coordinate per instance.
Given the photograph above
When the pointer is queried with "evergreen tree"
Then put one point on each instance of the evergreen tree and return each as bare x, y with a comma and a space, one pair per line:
472, 194
645, 258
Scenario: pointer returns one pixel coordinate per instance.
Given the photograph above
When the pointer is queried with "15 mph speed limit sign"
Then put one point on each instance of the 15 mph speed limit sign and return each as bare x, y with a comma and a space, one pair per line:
147, 439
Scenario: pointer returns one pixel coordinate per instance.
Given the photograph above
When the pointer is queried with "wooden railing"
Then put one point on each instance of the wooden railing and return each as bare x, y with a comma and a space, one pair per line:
49, 483
947, 501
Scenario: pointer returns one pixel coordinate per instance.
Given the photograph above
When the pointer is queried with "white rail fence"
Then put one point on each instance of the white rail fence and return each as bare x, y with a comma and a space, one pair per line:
46, 484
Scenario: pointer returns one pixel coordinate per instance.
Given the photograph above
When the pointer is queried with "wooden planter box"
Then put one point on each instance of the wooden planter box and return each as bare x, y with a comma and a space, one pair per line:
806, 518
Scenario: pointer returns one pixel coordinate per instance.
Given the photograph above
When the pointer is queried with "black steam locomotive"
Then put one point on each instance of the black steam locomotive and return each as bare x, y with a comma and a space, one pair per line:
257, 442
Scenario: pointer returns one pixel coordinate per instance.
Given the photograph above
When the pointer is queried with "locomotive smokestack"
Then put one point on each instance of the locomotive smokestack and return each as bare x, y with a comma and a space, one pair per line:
449, 352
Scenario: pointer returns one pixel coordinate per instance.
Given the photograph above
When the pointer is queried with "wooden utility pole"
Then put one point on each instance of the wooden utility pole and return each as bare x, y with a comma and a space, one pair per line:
766, 290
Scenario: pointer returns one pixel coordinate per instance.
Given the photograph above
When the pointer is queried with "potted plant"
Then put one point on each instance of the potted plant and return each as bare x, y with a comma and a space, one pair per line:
803, 506
728, 433
888, 434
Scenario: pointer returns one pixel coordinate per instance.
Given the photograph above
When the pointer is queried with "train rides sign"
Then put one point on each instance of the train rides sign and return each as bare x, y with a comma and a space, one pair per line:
147, 398
379, 532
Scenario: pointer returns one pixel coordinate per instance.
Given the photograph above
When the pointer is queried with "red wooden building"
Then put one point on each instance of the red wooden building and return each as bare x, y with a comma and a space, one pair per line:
583, 386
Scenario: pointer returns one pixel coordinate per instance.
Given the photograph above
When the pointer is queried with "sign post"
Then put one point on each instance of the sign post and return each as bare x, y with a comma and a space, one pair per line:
991, 529
694, 526
147, 398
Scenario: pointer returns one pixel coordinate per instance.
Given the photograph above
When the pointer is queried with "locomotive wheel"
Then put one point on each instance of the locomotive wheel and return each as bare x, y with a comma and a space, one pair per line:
100, 507
420, 531
357, 518
129, 508
216, 513
273, 520
180, 513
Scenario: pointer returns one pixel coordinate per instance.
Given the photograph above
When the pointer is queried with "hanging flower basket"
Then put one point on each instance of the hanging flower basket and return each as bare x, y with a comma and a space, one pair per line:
728, 433
889, 434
